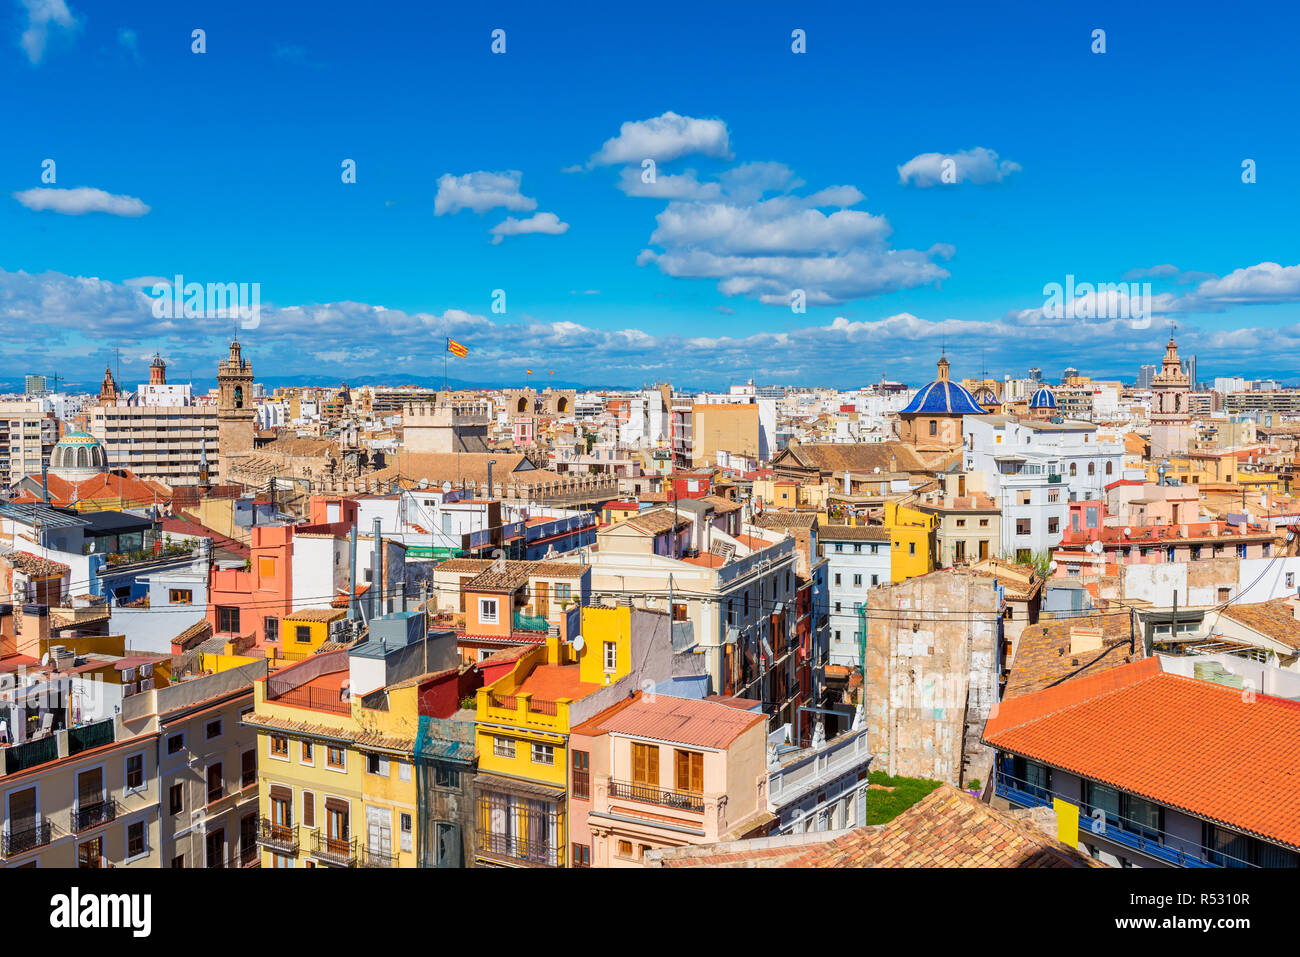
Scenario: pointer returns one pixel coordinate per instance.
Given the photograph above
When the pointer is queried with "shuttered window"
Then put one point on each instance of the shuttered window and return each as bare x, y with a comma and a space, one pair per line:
645, 764
308, 809
690, 771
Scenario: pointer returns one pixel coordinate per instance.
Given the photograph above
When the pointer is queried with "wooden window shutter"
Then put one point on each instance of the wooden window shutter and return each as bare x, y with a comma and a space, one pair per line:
308, 809
281, 793
336, 805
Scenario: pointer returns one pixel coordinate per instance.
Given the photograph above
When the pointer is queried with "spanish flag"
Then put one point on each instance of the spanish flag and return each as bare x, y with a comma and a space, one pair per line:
456, 349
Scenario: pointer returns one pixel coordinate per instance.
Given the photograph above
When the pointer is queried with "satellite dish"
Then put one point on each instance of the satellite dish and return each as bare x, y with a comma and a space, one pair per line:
424, 483
1128, 532
446, 486
578, 643
1097, 547
45, 658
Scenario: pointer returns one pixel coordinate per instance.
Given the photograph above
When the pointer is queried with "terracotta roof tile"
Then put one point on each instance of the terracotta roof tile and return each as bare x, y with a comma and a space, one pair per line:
1194, 745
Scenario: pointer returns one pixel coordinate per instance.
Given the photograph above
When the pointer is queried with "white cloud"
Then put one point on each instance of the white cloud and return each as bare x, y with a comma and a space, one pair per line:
546, 223
79, 201
128, 39
667, 185
481, 191
664, 138
748, 182
1261, 283
979, 166
42, 17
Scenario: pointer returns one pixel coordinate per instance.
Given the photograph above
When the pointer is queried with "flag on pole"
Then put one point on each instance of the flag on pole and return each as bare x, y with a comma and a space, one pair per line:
530, 371
456, 349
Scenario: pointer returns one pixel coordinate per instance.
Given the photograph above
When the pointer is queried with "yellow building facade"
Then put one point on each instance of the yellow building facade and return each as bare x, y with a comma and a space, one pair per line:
911, 535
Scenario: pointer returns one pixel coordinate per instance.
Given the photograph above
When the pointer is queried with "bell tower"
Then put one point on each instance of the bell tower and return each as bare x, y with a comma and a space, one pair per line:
235, 410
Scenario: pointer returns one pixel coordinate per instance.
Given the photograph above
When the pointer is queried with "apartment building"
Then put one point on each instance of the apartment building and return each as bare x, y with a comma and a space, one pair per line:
163, 443
206, 767
28, 434
667, 772
822, 787
356, 765
1152, 788
858, 559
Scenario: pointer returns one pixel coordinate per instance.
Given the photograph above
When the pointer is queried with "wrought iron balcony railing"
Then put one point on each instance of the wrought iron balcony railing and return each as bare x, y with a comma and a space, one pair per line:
278, 837
341, 852
84, 817
25, 838
680, 800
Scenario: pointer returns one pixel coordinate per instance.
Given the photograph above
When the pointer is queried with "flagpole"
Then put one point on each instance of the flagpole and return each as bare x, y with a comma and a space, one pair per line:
444, 369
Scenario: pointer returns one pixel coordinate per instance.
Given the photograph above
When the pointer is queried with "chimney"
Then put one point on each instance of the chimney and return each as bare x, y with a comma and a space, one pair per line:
354, 607
376, 574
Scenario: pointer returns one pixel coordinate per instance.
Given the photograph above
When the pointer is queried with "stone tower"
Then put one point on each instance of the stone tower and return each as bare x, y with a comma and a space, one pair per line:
1171, 420
108, 389
157, 371
235, 410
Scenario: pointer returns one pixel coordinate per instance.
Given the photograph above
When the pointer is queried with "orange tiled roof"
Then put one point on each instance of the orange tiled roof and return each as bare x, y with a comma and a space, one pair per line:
704, 724
552, 682
1043, 652
1200, 747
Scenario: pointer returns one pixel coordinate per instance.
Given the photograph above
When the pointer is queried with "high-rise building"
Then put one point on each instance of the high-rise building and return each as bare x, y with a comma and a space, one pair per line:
1036, 374
1146, 375
1070, 373
1189, 370
28, 432
35, 385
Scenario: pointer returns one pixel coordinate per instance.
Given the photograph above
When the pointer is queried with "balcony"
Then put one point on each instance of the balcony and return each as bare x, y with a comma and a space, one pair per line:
373, 858
93, 815
339, 852
318, 699
20, 757
27, 838
645, 794
280, 838
90, 736
512, 847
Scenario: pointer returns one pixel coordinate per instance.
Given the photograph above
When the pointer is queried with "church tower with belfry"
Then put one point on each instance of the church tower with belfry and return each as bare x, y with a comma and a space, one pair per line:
1171, 415
235, 409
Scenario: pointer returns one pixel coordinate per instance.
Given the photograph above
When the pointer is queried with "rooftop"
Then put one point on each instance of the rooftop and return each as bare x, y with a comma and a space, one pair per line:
702, 724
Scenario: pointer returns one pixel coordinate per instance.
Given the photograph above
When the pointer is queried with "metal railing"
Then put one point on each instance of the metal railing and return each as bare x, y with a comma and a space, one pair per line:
320, 699
518, 848
278, 837
93, 815
582, 785
644, 793
26, 838
1113, 828
511, 703
373, 858
341, 852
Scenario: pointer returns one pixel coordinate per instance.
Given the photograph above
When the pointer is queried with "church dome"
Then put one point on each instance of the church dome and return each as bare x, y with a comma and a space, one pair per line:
78, 455
1043, 399
943, 397
986, 396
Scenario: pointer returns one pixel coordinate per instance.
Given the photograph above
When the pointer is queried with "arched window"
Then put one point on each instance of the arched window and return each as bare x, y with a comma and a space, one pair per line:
1074, 468
562, 405
97, 457
522, 405
1092, 468
239, 397
1108, 467
83, 457
934, 427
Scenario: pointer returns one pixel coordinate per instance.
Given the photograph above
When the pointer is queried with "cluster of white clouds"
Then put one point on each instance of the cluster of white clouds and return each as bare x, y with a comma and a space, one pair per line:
483, 190
81, 315
750, 230
43, 18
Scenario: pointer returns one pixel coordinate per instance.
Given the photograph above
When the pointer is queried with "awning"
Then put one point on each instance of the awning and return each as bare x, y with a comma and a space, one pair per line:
516, 786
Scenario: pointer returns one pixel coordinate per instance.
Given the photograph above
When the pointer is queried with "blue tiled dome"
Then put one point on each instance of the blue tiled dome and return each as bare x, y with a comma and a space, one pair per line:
1043, 399
943, 397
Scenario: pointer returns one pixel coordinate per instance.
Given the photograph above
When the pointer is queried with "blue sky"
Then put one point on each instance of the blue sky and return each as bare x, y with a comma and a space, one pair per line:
775, 171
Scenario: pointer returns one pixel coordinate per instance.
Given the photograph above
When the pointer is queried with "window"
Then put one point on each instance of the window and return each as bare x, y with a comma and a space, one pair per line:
581, 855
934, 427
857, 547
308, 809
271, 628
176, 798
178, 861
1023, 526
581, 775
961, 523
212, 729
181, 596
1092, 468
543, 754
837, 578
857, 581
135, 846
837, 607
404, 826
839, 546
216, 847
307, 756
625, 849
1053, 525
679, 611
611, 656
279, 747
248, 768
503, 747
1290, 579
645, 764
377, 765
334, 758
984, 523
690, 771
446, 776
227, 620
302, 634
176, 743
404, 771
1074, 468
1024, 497
487, 611
911, 548
1108, 468
135, 772
216, 784
266, 567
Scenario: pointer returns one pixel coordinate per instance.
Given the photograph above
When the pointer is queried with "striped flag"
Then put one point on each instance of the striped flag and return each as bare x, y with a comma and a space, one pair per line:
456, 349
